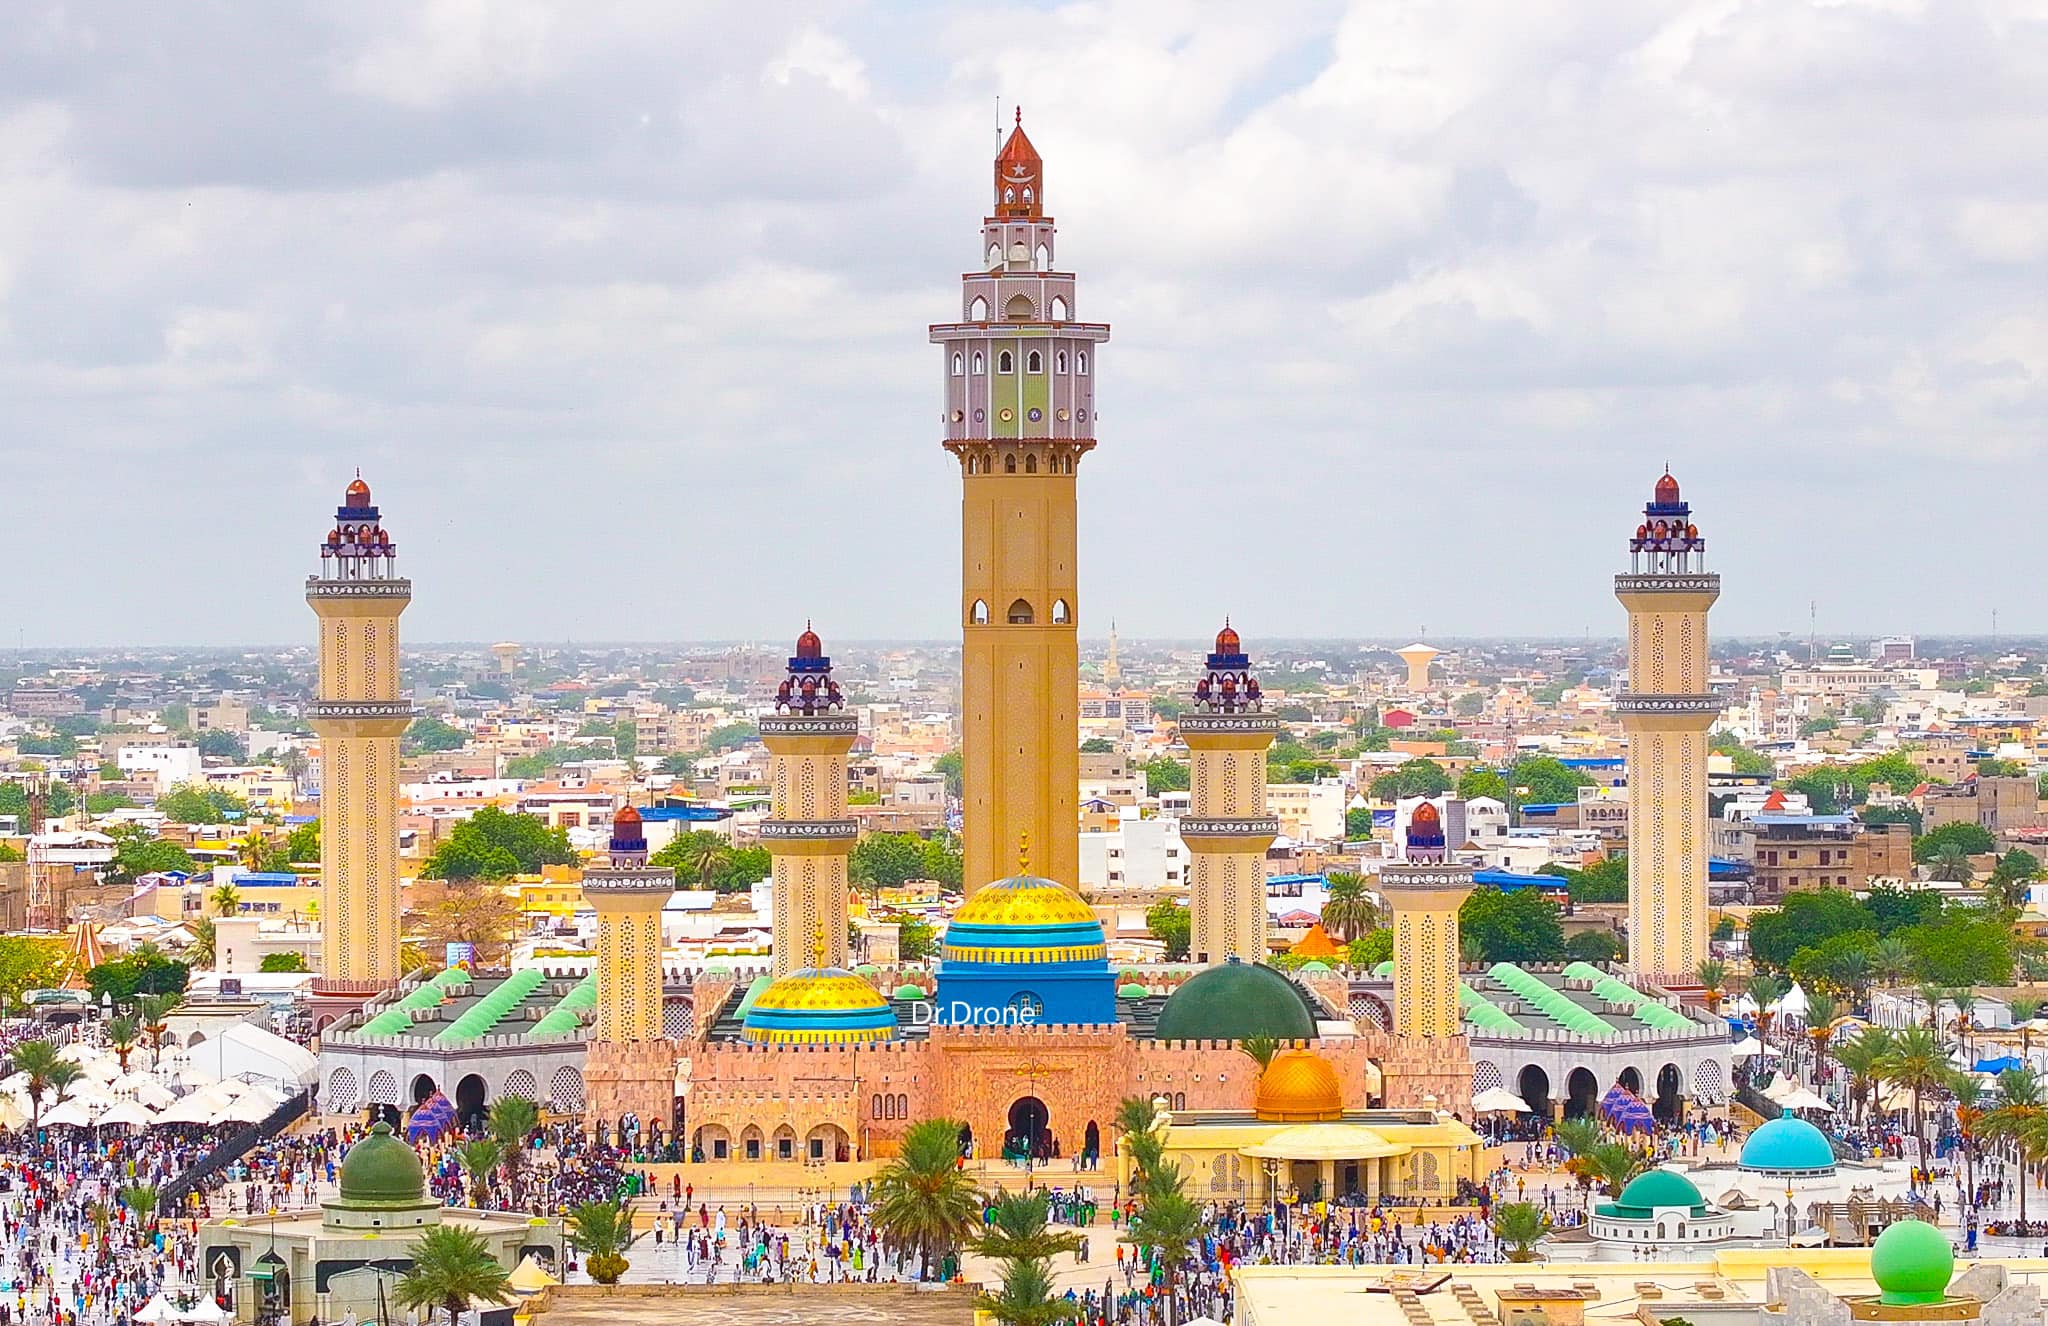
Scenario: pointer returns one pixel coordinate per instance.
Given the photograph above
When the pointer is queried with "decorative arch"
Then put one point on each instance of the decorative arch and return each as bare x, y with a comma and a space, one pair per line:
1006, 362
1031, 463
343, 1091
1059, 308
959, 364
978, 311
1044, 250
1061, 614
784, 1143
1020, 613
980, 364
1059, 362
565, 1091
521, 1083
1487, 1076
1018, 309
1034, 362
383, 1088
978, 614
995, 259
1010, 463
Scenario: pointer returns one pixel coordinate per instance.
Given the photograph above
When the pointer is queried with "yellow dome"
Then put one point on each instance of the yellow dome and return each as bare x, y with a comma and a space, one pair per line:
1025, 900
1299, 1086
819, 1006
820, 989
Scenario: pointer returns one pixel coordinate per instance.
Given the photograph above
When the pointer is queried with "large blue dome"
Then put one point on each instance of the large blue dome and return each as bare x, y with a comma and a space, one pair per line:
1787, 1145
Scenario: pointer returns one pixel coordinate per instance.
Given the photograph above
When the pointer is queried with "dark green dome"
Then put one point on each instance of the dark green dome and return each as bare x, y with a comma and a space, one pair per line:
380, 1170
1234, 1002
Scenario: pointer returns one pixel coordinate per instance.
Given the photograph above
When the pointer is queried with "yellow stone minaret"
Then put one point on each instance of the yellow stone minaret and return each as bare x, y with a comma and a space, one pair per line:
359, 714
809, 835
1425, 893
1020, 404
1666, 713
628, 895
1227, 829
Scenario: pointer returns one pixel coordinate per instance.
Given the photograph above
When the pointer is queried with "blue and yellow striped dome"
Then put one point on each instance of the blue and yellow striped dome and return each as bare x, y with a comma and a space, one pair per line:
819, 1006
1024, 918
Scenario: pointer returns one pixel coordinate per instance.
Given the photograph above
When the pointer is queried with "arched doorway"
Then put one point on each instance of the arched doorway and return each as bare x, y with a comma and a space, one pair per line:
1632, 1080
1533, 1085
1091, 1142
1670, 1103
422, 1087
1582, 1091
1028, 1132
469, 1100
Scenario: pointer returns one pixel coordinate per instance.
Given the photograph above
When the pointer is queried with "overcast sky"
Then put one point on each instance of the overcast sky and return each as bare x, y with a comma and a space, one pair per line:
621, 308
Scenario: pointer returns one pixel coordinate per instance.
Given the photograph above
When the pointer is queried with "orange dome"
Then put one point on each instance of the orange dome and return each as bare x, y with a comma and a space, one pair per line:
1667, 489
627, 818
358, 493
1227, 641
808, 645
1299, 1086
1425, 814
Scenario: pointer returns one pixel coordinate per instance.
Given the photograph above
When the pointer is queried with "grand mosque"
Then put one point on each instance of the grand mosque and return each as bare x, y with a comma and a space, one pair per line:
1022, 1030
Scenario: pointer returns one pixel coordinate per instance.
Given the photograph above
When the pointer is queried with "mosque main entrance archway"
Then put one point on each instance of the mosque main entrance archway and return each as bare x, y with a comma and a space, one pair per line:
1670, 1102
1533, 1085
1029, 1132
1583, 1094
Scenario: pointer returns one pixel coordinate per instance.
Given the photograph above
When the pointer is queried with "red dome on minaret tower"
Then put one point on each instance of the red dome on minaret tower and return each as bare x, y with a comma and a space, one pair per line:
808, 645
1020, 175
358, 493
1227, 641
1667, 490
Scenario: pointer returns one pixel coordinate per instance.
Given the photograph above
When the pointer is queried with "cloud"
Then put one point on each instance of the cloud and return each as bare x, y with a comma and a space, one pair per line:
1402, 295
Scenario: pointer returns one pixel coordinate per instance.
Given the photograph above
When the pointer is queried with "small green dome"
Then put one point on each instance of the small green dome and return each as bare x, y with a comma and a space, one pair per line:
867, 969
1131, 990
1317, 968
380, 1170
1912, 1262
1233, 1002
1659, 1188
909, 991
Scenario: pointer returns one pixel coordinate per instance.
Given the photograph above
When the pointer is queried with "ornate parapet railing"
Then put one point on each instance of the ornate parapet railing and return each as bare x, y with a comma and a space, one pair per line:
1201, 724
319, 709
1669, 704
322, 587
810, 725
1229, 826
809, 831
1685, 582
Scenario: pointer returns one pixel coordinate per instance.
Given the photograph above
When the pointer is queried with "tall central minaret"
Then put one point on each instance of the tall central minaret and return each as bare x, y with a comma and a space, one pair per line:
1019, 415
1666, 713
1227, 829
360, 715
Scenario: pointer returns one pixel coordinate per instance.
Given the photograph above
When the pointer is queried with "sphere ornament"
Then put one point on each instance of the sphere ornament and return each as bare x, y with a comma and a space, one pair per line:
1912, 1262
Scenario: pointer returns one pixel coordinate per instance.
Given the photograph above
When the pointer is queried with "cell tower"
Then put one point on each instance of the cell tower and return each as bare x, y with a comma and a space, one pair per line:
42, 895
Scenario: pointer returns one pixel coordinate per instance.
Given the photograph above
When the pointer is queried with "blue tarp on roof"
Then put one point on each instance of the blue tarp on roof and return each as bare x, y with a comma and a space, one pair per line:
1595, 762
685, 814
1294, 879
1810, 821
1998, 1065
1543, 807
1507, 880
267, 879
1722, 868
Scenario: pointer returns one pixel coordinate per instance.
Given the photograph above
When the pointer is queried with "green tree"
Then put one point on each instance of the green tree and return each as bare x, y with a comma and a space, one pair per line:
1544, 781
1994, 767
604, 1230
1892, 908
1520, 1226
732, 736
1413, 778
28, 962
188, 803
1166, 1219
1950, 865
510, 1121
451, 1267
1967, 836
917, 939
1839, 963
1804, 919
2010, 878
1962, 950
106, 803
1862, 1057
1170, 924
886, 860
479, 1157
49, 1076
953, 769
155, 1009
427, 733
1917, 1061
1358, 824
1369, 950
1476, 783
1017, 1228
137, 973
283, 962
2023, 1103
303, 843
922, 1199
1163, 774
1098, 746
1350, 912
1027, 1296
1518, 926
220, 745
1603, 881
492, 844
1595, 946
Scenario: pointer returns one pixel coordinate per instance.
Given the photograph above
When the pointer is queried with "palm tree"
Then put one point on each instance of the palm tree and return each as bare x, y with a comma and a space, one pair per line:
140, 1198
922, 1198
1766, 988
604, 1230
1614, 1165
1861, 1057
1820, 1016
1712, 975
49, 1075
1134, 1114
227, 900
510, 1122
123, 1030
1261, 1049
451, 1267
2021, 1103
1017, 1229
1027, 1297
1166, 1219
155, 1011
1891, 961
1918, 1062
1520, 1226
1852, 976
478, 1158
1577, 1136
706, 853
253, 850
1969, 1097
200, 952
1931, 997
1966, 1009
1950, 865
1349, 913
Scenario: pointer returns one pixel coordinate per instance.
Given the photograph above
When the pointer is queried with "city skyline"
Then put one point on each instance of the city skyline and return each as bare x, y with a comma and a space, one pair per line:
514, 267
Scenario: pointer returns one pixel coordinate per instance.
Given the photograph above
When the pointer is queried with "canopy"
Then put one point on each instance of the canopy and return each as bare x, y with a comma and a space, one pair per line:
127, 1114
78, 1052
247, 1051
205, 1310
1793, 1005
530, 1277
247, 1109
1325, 1141
1779, 1086
1749, 1047
192, 1109
71, 1113
435, 1116
156, 1312
1499, 1100
1626, 1110
103, 1069
12, 1115
1799, 1098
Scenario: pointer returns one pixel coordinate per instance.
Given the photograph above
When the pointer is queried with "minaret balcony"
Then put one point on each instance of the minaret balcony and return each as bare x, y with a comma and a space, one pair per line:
1669, 704
330, 587
629, 880
803, 831
1672, 582
319, 709
1254, 720
810, 725
1229, 826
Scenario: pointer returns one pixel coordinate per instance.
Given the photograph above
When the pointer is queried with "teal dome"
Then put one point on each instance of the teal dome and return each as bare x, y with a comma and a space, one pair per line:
1912, 1262
1233, 1002
1787, 1145
1656, 1189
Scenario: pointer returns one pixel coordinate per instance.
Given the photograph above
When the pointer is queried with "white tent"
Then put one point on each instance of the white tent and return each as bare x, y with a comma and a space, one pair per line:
127, 1114
205, 1311
1779, 1086
1802, 1099
74, 1113
12, 1115
157, 1312
248, 1109
229, 1086
1749, 1047
192, 1109
102, 1069
92, 1093
1793, 1005
247, 1051
78, 1052
1498, 1100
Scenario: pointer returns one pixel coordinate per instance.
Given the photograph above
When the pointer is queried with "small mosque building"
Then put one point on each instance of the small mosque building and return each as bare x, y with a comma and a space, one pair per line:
1298, 1140
1788, 1161
1660, 1209
342, 1260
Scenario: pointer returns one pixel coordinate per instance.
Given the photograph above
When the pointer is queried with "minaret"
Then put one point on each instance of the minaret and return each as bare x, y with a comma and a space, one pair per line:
359, 714
1666, 713
1227, 829
1020, 414
809, 835
628, 895
1425, 893
1112, 668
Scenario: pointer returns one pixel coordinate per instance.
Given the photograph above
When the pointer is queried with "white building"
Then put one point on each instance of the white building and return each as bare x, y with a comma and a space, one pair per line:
1308, 812
169, 765
1138, 854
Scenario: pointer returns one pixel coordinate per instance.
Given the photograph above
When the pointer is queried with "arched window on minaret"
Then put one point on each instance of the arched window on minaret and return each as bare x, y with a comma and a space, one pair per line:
979, 363
1060, 612
1009, 195
959, 363
1004, 363
1059, 308
995, 256
1059, 361
978, 614
1081, 363
1018, 309
1021, 614
1010, 463
1027, 193
1031, 464
1045, 257
978, 310
1034, 362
